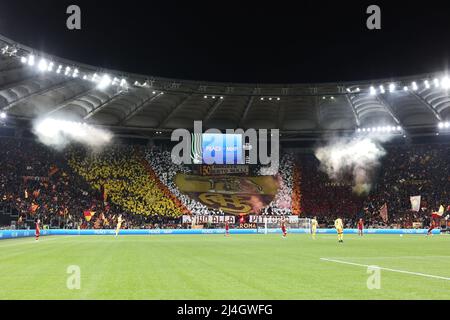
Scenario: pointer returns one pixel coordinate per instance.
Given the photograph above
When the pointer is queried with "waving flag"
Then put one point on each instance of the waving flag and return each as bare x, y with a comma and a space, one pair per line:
384, 212
415, 203
33, 208
88, 215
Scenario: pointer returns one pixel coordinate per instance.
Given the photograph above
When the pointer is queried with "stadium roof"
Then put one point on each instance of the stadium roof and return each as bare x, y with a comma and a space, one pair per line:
145, 105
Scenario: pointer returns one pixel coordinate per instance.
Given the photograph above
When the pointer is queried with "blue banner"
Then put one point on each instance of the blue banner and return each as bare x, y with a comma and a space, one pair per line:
10, 234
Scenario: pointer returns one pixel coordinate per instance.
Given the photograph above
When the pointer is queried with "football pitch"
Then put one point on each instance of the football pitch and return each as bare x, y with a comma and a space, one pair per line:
217, 267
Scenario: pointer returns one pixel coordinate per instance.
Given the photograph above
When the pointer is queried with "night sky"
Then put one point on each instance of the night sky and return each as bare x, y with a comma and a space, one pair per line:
264, 42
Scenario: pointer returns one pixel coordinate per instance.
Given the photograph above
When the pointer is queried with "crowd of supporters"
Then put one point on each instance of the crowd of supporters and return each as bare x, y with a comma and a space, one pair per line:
405, 171
36, 181
120, 173
138, 183
282, 203
410, 171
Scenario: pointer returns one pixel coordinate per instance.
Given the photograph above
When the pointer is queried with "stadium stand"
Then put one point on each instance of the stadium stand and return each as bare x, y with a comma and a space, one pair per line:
137, 182
126, 181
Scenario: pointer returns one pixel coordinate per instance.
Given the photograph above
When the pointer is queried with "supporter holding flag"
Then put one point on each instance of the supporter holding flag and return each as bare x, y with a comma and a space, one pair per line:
88, 214
435, 218
384, 212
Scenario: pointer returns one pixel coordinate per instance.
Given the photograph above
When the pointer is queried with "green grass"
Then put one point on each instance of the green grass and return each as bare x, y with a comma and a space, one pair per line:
215, 267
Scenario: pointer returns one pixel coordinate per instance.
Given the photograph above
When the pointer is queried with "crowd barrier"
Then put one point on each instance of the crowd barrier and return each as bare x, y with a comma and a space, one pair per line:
8, 234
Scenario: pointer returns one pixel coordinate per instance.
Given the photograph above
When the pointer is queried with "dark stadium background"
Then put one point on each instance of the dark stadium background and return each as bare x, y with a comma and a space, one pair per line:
273, 41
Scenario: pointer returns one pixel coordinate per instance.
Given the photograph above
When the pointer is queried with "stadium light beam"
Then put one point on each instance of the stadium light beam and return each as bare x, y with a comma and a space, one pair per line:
105, 82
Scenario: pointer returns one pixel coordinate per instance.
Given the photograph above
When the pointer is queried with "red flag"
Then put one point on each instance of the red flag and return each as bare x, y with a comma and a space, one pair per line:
88, 215
36, 193
33, 208
384, 212
53, 170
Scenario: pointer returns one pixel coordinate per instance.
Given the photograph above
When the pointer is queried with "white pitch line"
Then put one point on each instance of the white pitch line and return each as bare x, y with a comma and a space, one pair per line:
42, 240
387, 269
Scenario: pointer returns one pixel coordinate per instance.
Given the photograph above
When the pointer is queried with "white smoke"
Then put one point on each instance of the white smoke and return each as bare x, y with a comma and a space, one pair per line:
59, 133
356, 156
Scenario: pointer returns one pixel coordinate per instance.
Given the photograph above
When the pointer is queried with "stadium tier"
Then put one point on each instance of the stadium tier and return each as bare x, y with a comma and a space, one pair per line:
64, 188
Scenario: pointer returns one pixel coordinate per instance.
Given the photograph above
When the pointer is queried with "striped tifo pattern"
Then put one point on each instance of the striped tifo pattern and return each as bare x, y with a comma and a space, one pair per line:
129, 184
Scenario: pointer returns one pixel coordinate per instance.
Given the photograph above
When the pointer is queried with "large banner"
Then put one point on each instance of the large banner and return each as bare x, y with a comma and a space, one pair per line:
220, 170
232, 194
272, 219
208, 219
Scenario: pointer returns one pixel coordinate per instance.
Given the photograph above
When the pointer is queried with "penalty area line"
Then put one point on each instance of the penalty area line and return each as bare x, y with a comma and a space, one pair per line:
386, 269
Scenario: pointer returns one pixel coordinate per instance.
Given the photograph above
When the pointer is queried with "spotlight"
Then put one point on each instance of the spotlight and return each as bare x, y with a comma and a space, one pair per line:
67, 71
3, 115
348, 90
23, 60
373, 91
104, 82
399, 128
205, 97
392, 87
445, 83
436, 83
123, 83
262, 99
414, 86
358, 89
50, 67
221, 98
31, 60
59, 69
427, 84
382, 89
278, 99
405, 88
42, 66
441, 125
154, 92
359, 130
84, 77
